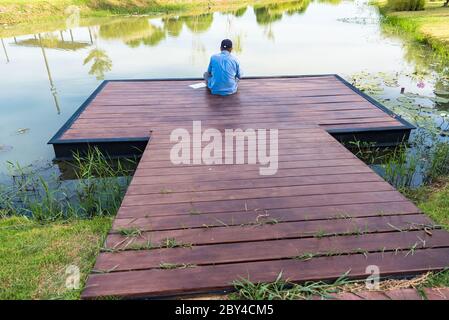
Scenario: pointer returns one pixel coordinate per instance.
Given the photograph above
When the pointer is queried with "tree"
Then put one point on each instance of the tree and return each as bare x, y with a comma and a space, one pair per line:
101, 63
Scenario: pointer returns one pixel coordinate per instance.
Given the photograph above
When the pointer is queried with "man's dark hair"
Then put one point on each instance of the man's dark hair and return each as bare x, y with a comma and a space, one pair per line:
226, 44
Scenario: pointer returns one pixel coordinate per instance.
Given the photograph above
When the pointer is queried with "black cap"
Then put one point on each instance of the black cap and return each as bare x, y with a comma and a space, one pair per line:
226, 44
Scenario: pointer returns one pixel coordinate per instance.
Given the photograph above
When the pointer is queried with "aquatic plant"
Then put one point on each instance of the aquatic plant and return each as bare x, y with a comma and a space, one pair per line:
423, 160
97, 190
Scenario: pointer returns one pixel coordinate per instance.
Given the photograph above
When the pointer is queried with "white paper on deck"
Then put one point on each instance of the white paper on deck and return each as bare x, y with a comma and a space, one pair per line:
197, 85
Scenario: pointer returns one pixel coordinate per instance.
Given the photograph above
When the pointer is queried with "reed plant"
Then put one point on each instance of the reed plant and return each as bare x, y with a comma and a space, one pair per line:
97, 189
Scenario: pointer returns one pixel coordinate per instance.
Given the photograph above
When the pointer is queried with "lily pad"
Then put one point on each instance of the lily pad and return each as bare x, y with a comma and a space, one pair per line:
23, 130
439, 100
442, 92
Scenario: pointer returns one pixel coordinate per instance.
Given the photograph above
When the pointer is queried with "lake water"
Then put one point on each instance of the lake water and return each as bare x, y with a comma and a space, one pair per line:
45, 77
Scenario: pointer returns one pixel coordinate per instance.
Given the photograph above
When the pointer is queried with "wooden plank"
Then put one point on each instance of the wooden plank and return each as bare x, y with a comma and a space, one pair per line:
228, 169
151, 283
301, 172
125, 219
259, 230
226, 184
215, 254
263, 204
254, 193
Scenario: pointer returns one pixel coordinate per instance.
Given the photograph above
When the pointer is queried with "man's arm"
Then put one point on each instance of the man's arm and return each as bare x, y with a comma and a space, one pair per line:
209, 68
237, 72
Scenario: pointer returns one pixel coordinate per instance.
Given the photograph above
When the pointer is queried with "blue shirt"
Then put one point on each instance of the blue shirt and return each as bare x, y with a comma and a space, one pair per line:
225, 72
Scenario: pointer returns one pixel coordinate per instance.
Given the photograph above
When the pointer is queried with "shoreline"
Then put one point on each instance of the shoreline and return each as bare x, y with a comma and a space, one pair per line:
16, 12
429, 26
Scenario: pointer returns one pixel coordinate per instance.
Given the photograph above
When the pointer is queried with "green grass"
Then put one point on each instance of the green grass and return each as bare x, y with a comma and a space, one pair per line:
434, 201
34, 256
46, 225
430, 26
281, 289
29, 11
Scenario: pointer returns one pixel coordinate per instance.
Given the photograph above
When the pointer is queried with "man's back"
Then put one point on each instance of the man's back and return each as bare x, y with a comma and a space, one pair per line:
224, 73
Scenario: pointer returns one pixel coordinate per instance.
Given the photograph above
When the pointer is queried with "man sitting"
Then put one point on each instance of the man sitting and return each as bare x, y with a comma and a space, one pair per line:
223, 73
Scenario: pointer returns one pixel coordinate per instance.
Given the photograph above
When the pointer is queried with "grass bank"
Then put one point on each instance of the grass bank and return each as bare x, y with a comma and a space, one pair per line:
17, 11
429, 26
50, 226
32, 11
433, 200
34, 257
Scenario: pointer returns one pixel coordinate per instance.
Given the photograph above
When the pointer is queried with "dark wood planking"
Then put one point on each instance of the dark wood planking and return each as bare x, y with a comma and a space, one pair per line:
237, 218
223, 210
153, 283
254, 193
206, 114
148, 163
226, 184
269, 250
129, 109
259, 231
266, 203
228, 169
229, 109
301, 172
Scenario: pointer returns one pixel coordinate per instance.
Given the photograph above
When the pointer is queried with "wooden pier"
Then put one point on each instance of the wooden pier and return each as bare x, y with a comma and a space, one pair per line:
194, 229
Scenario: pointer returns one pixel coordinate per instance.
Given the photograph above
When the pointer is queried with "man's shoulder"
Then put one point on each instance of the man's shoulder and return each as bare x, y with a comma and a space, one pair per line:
215, 56
220, 56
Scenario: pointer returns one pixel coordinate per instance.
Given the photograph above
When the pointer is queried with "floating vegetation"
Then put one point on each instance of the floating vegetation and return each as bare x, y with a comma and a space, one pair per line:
5, 148
23, 130
420, 109
360, 20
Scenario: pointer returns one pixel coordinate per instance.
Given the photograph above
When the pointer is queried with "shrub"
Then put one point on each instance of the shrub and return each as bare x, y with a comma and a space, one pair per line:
406, 5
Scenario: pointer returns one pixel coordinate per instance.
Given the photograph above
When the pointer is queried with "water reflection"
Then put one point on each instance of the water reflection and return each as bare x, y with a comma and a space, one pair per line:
140, 31
266, 14
50, 41
50, 78
173, 26
75, 60
101, 63
200, 23
6, 52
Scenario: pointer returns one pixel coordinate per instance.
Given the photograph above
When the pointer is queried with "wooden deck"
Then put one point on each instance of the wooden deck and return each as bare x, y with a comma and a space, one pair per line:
119, 115
194, 229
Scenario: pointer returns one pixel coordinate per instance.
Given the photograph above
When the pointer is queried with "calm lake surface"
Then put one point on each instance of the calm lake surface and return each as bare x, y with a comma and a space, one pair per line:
45, 77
